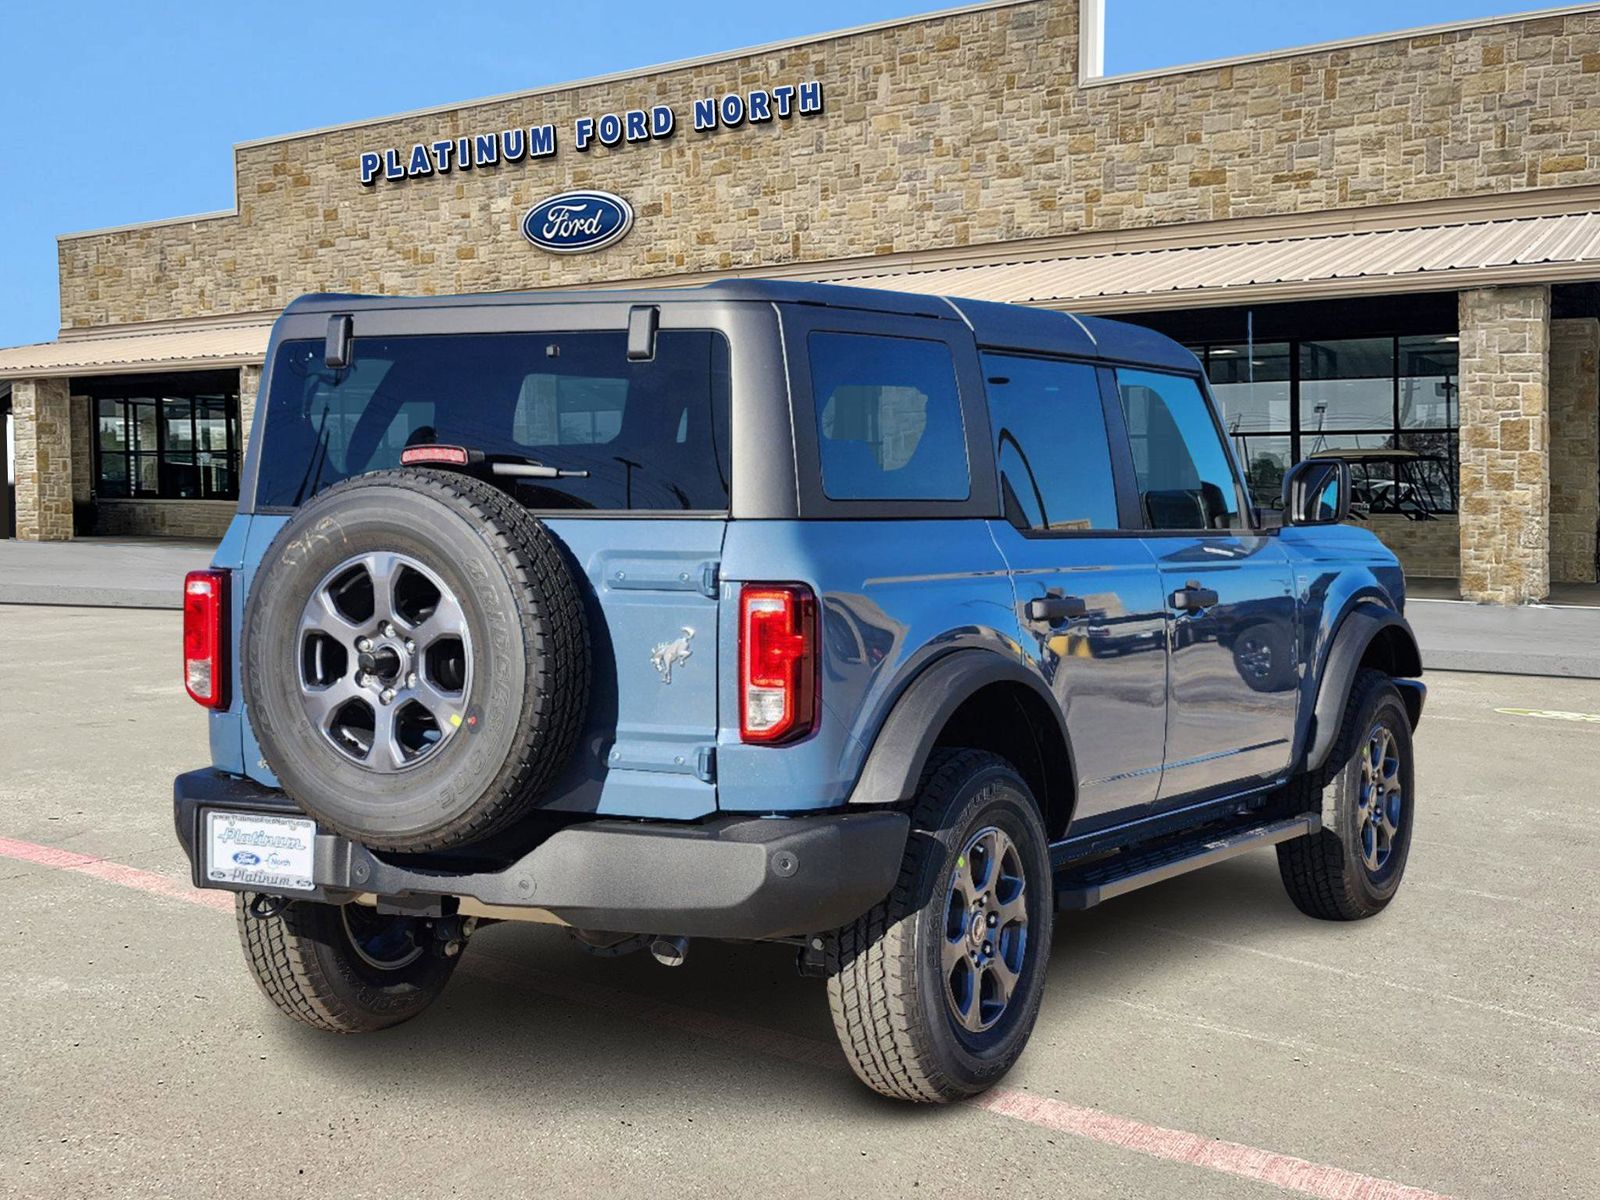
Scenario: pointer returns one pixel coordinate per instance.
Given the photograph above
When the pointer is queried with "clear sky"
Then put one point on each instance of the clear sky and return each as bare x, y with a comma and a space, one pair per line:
112, 112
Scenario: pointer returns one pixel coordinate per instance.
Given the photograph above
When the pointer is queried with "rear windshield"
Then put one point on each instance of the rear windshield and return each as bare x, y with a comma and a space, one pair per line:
651, 435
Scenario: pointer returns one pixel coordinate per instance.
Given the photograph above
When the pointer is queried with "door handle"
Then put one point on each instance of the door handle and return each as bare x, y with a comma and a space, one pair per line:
1056, 609
1192, 597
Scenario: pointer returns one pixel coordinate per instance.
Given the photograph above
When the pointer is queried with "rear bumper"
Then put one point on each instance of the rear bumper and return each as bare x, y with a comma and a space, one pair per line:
730, 877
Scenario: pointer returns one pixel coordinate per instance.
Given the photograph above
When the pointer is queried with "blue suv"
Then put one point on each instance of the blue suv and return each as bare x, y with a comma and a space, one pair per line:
880, 625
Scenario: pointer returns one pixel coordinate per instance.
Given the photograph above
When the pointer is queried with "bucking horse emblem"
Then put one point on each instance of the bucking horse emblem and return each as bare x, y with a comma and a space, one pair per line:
669, 654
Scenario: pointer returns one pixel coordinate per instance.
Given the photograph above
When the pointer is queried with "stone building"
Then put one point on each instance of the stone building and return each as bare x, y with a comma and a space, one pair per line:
1387, 247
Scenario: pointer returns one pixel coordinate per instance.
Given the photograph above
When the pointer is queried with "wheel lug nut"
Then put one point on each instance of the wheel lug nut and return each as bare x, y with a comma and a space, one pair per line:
411, 647
993, 920
987, 948
364, 645
387, 695
388, 630
411, 681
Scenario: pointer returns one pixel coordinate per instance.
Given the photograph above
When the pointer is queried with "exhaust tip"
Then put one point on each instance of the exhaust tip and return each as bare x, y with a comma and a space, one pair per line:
670, 951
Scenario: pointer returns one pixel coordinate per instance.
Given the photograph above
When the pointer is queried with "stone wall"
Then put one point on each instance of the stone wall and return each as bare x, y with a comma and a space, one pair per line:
203, 519
1574, 449
950, 131
1424, 548
1505, 444
42, 434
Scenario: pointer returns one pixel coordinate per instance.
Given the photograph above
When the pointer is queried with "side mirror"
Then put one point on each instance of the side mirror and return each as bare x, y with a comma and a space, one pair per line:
1316, 491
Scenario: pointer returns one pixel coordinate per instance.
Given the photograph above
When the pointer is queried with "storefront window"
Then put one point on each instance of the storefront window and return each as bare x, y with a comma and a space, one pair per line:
1252, 385
166, 438
1390, 405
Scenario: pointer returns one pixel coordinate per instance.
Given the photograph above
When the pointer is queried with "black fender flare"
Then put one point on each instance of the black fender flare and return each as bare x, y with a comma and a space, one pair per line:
1358, 630
900, 751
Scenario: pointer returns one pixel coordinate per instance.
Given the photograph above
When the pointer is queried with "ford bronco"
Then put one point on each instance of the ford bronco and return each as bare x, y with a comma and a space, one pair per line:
884, 626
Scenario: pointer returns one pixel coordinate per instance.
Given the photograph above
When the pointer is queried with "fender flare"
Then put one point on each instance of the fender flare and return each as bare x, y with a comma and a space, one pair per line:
1357, 631
905, 740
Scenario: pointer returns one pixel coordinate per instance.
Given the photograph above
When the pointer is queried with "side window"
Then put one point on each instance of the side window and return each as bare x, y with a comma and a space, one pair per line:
1185, 479
1050, 444
888, 418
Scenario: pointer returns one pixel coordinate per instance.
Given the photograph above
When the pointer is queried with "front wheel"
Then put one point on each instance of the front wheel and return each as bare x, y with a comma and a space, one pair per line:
1352, 867
935, 991
342, 968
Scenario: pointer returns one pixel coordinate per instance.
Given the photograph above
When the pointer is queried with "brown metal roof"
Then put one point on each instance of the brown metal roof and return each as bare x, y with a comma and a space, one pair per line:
1432, 257
77, 354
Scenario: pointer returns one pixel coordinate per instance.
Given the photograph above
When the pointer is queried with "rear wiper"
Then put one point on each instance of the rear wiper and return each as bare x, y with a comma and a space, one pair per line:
527, 469
500, 464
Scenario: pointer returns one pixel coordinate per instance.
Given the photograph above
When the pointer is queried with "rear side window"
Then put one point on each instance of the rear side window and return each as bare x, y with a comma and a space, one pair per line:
652, 435
888, 418
1050, 444
1185, 478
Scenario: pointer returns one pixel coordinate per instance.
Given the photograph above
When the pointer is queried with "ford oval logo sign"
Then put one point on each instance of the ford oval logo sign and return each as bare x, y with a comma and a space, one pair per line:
578, 222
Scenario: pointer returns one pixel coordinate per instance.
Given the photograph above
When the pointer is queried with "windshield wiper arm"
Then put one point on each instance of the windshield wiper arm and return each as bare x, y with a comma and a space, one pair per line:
533, 470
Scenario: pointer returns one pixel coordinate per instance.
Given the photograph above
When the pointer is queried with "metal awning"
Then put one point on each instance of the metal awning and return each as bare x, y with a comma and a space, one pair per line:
107, 354
1545, 249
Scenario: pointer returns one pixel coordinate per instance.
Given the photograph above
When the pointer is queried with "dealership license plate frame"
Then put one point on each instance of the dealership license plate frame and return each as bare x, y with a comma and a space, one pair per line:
284, 849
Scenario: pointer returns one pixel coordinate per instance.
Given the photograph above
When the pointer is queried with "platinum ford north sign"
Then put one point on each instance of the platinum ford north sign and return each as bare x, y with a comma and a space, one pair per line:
577, 222
491, 148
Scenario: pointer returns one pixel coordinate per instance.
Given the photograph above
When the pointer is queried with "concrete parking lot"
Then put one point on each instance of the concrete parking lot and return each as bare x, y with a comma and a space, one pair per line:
1201, 1038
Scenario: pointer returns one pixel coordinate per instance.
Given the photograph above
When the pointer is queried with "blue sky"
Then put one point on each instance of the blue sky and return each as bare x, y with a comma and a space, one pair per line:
126, 112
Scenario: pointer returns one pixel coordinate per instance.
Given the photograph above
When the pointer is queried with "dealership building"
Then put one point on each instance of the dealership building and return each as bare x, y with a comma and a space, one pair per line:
1387, 248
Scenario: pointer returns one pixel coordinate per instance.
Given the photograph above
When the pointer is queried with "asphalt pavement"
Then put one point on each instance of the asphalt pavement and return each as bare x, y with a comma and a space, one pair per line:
1199, 1038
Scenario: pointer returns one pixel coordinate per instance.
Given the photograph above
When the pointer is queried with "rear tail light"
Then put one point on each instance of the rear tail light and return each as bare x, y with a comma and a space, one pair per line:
205, 660
778, 699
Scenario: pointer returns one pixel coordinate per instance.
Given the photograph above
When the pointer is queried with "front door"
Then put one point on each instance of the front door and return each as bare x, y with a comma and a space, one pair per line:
1233, 678
1088, 594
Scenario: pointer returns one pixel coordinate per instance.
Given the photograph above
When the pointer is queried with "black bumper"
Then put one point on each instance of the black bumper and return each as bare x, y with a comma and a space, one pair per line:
730, 877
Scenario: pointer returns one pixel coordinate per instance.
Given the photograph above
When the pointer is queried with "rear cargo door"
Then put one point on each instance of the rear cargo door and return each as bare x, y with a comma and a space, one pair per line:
649, 747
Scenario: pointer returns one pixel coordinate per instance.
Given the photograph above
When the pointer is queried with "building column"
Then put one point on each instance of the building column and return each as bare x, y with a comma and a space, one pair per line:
1574, 449
42, 428
1505, 444
249, 385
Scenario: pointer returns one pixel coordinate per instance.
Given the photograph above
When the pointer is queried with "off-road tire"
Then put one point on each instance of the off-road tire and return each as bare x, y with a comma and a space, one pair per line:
303, 961
530, 694
1324, 873
884, 983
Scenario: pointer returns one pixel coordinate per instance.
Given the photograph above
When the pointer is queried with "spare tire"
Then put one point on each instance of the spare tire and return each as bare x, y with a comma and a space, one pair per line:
415, 659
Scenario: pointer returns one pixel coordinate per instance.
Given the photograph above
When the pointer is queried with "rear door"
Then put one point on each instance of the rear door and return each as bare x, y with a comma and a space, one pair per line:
1233, 675
630, 472
1088, 593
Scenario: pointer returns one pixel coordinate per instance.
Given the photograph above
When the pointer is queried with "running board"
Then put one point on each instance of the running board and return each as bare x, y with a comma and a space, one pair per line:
1133, 869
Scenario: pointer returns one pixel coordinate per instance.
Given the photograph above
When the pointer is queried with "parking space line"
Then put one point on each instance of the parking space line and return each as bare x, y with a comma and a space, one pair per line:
1368, 977
110, 872
1319, 1180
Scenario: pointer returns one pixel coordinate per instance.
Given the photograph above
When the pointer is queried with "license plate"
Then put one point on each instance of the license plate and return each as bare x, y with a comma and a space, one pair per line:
256, 851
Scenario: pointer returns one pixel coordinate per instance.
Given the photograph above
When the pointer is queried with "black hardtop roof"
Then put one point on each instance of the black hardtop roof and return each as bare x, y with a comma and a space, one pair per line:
994, 325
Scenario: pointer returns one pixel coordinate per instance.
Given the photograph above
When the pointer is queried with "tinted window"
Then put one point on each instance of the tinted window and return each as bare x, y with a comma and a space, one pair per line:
1185, 479
651, 435
888, 418
1050, 443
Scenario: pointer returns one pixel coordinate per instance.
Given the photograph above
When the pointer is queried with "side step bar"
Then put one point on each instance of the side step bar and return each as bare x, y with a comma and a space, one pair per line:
1089, 885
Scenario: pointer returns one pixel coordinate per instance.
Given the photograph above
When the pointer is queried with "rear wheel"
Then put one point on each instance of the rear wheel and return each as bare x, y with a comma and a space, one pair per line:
342, 968
935, 991
1352, 867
